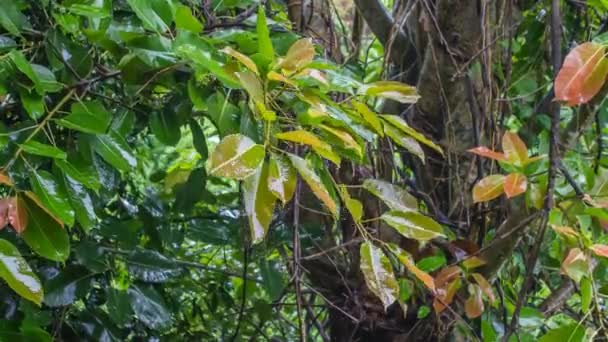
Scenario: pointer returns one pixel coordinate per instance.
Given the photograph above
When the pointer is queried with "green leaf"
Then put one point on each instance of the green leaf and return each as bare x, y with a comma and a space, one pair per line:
565, 333
156, 15
40, 149
369, 116
198, 139
26, 68
393, 196
165, 127
52, 196
118, 305
11, 18
84, 175
314, 182
82, 203
259, 203
281, 178
405, 141
378, 274
18, 274
225, 115
88, 117
586, 294
400, 124
252, 85
264, 43
115, 150
236, 156
396, 91
44, 234
74, 282
413, 225
149, 307
272, 279
185, 20
152, 267
32, 102
203, 59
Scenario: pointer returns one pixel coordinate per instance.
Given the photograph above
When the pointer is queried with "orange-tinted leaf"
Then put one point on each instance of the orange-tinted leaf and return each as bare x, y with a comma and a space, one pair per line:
566, 232
4, 179
488, 188
17, 214
515, 149
582, 75
445, 295
575, 265
600, 250
486, 152
515, 184
299, 55
446, 275
485, 286
4, 206
406, 260
473, 307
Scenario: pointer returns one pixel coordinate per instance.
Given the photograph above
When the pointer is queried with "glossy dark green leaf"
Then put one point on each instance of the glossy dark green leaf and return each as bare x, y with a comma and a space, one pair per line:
52, 196
155, 51
11, 18
40, 149
118, 305
149, 307
185, 20
82, 203
32, 102
219, 231
15, 271
44, 234
151, 266
25, 67
94, 324
165, 127
84, 175
187, 195
72, 283
155, 15
198, 139
91, 255
88, 116
115, 150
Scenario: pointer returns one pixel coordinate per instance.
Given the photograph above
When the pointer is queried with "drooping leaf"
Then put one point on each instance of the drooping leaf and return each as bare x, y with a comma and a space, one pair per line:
299, 55
149, 307
393, 196
236, 156
204, 60
259, 203
586, 294
515, 149
11, 19
24, 66
88, 117
52, 196
246, 61
165, 126
446, 294
405, 141
115, 150
474, 304
314, 182
413, 225
486, 152
393, 90
346, 138
575, 265
400, 124
156, 15
371, 118
407, 261
15, 271
151, 266
252, 85
281, 178
378, 274
81, 202
44, 234
485, 286
354, 206
515, 184
72, 283
488, 188
304, 137
40, 149
198, 140
83, 175
582, 75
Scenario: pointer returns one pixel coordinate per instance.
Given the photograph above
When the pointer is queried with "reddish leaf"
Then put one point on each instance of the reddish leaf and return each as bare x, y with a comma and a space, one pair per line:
4, 179
4, 205
445, 295
17, 214
485, 286
600, 250
446, 275
582, 75
515, 149
486, 152
515, 184
488, 188
473, 307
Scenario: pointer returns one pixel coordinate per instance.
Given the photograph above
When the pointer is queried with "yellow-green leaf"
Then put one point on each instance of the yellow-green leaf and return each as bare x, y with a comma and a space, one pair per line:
405, 141
259, 203
413, 225
354, 207
406, 259
264, 43
349, 142
395, 197
281, 178
515, 184
304, 137
314, 182
246, 61
378, 274
252, 85
236, 156
299, 55
575, 265
488, 188
369, 116
400, 124
514, 149
393, 90
275, 76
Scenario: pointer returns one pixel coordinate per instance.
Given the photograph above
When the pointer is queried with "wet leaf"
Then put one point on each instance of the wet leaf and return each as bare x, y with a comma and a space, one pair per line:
52, 196
17, 273
346, 138
314, 182
488, 188
582, 75
378, 274
515, 184
17, 215
149, 307
152, 267
39, 149
413, 225
115, 150
281, 178
70, 284
236, 156
393, 196
259, 203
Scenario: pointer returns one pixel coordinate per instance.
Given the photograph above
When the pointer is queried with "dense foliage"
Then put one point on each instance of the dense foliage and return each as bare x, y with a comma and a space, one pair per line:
218, 170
